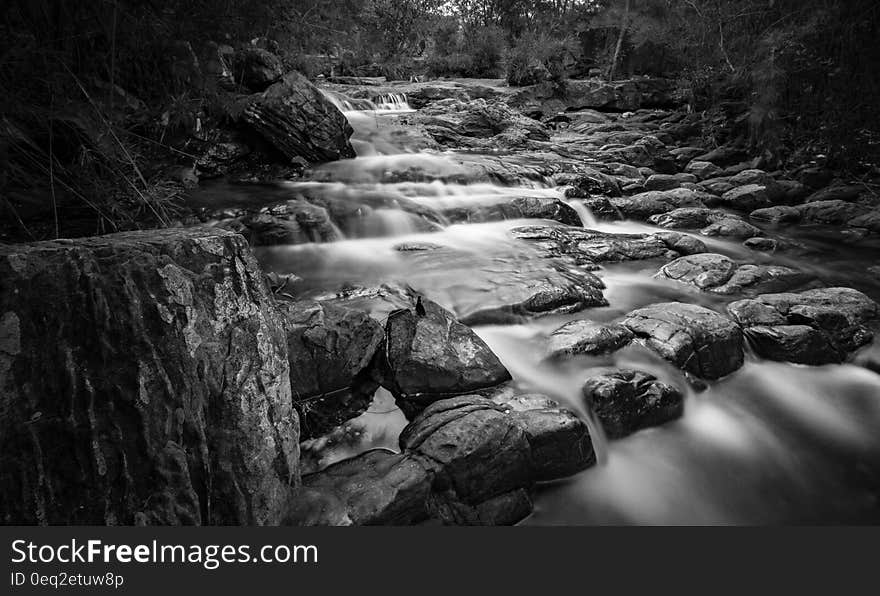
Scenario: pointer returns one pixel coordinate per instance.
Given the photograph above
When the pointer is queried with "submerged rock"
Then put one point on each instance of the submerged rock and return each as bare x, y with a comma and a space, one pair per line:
145, 381
429, 356
695, 339
813, 327
629, 400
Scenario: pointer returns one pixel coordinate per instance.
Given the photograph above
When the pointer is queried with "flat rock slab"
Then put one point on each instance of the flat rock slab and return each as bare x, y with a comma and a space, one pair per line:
718, 274
629, 400
814, 327
144, 380
695, 339
586, 248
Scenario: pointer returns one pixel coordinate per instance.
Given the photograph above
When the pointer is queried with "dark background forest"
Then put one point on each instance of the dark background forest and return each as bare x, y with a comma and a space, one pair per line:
101, 98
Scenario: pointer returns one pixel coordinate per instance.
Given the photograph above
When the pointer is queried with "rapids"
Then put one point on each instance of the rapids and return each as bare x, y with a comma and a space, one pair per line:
771, 443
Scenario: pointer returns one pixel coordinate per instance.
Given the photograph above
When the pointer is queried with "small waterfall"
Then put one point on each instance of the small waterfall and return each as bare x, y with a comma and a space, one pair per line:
386, 102
584, 213
392, 102
348, 104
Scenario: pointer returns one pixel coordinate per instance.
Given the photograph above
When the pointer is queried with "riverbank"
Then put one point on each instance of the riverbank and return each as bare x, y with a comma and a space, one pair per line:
502, 289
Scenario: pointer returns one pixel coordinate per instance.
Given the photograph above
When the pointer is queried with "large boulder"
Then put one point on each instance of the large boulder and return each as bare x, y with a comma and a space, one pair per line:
695, 339
299, 121
428, 356
144, 380
813, 327
330, 349
625, 401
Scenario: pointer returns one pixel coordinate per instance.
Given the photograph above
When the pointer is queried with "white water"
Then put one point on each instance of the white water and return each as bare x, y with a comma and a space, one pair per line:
772, 443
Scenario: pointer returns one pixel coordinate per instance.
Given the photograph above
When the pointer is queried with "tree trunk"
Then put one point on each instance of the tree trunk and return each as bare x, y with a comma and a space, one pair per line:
624, 23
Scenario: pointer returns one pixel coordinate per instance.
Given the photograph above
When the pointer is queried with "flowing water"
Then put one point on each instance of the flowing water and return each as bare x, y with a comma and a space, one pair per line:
772, 443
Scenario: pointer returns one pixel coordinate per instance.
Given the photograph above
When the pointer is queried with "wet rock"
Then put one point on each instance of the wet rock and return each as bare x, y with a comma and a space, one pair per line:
843, 317
516, 208
256, 68
686, 217
601, 208
683, 244
298, 121
193, 422
377, 487
487, 290
591, 246
429, 356
644, 205
775, 215
695, 339
793, 343
668, 181
479, 449
762, 244
474, 447
330, 349
703, 170
705, 271
628, 400
559, 441
587, 338
720, 275
731, 227
747, 198
587, 183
